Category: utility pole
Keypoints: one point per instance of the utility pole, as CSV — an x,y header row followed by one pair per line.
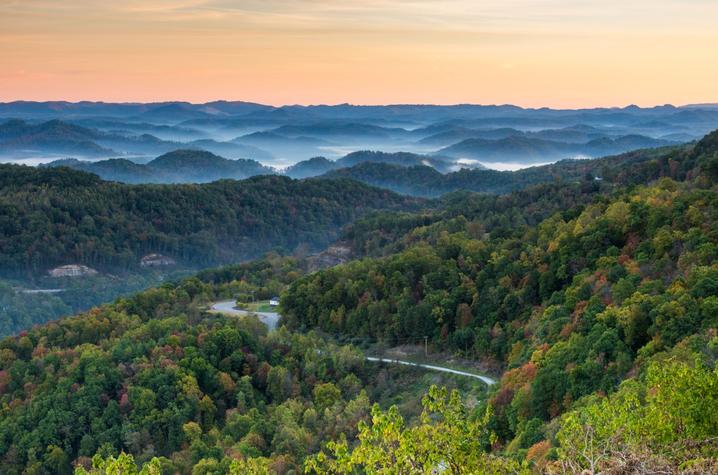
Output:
x,y
426,346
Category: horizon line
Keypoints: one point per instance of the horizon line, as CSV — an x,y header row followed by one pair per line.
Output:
x,y
352,104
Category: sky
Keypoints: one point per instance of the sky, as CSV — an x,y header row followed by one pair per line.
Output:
x,y
533,53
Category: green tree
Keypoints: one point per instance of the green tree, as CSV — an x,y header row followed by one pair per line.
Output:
x,y
325,395
668,418
124,464
447,439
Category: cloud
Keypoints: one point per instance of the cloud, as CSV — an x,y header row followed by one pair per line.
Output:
x,y
522,17
371,50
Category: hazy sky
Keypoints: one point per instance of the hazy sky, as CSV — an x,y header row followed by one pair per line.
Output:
x,y
564,53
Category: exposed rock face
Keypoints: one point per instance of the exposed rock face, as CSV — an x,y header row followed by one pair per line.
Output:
x,y
72,270
331,256
156,260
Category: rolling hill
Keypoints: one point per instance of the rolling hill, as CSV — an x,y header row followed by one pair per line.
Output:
x,y
18,138
597,306
78,218
523,149
179,166
602,316
421,180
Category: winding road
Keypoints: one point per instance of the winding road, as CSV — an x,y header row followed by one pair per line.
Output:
x,y
228,307
441,369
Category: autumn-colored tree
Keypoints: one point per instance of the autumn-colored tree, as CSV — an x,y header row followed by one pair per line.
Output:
x,y
447,439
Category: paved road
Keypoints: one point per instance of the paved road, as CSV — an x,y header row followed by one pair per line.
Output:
x,y
39,291
228,307
271,319
442,369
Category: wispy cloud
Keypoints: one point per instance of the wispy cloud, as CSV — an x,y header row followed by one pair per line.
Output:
x,y
463,50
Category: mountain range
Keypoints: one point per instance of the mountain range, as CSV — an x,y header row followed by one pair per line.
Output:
x,y
591,304
179,166
401,172
526,149
20,139
499,137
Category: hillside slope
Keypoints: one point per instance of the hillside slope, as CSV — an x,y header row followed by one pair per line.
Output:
x,y
417,179
568,308
155,375
598,304
57,216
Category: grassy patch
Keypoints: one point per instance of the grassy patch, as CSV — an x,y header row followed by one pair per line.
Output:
x,y
261,306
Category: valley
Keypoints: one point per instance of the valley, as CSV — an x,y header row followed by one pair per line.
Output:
x,y
549,303
461,136
342,237
271,319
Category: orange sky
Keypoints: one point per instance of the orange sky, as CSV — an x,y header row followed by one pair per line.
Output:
x,y
529,52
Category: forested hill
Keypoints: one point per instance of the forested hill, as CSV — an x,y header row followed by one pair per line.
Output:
x,y
56,216
421,180
154,375
602,318
568,307
178,166
512,214
600,311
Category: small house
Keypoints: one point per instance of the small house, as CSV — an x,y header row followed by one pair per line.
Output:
x,y
274,301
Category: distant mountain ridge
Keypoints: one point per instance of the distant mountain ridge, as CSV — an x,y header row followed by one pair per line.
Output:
x,y
447,138
401,172
626,168
19,138
536,150
197,166
494,115
204,224
179,166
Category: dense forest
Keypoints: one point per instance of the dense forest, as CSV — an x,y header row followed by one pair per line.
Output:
x,y
426,181
157,377
21,308
541,192
178,166
596,301
51,217
570,307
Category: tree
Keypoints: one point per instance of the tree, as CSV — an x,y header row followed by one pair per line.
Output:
x,y
124,464
667,419
56,460
447,439
251,466
325,395
279,383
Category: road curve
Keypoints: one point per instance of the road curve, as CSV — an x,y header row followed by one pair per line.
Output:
x,y
228,307
442,369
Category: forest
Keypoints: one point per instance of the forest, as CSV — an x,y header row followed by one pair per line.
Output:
x,y
567,308
51,217
427,181
157,377
594,303
345,237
